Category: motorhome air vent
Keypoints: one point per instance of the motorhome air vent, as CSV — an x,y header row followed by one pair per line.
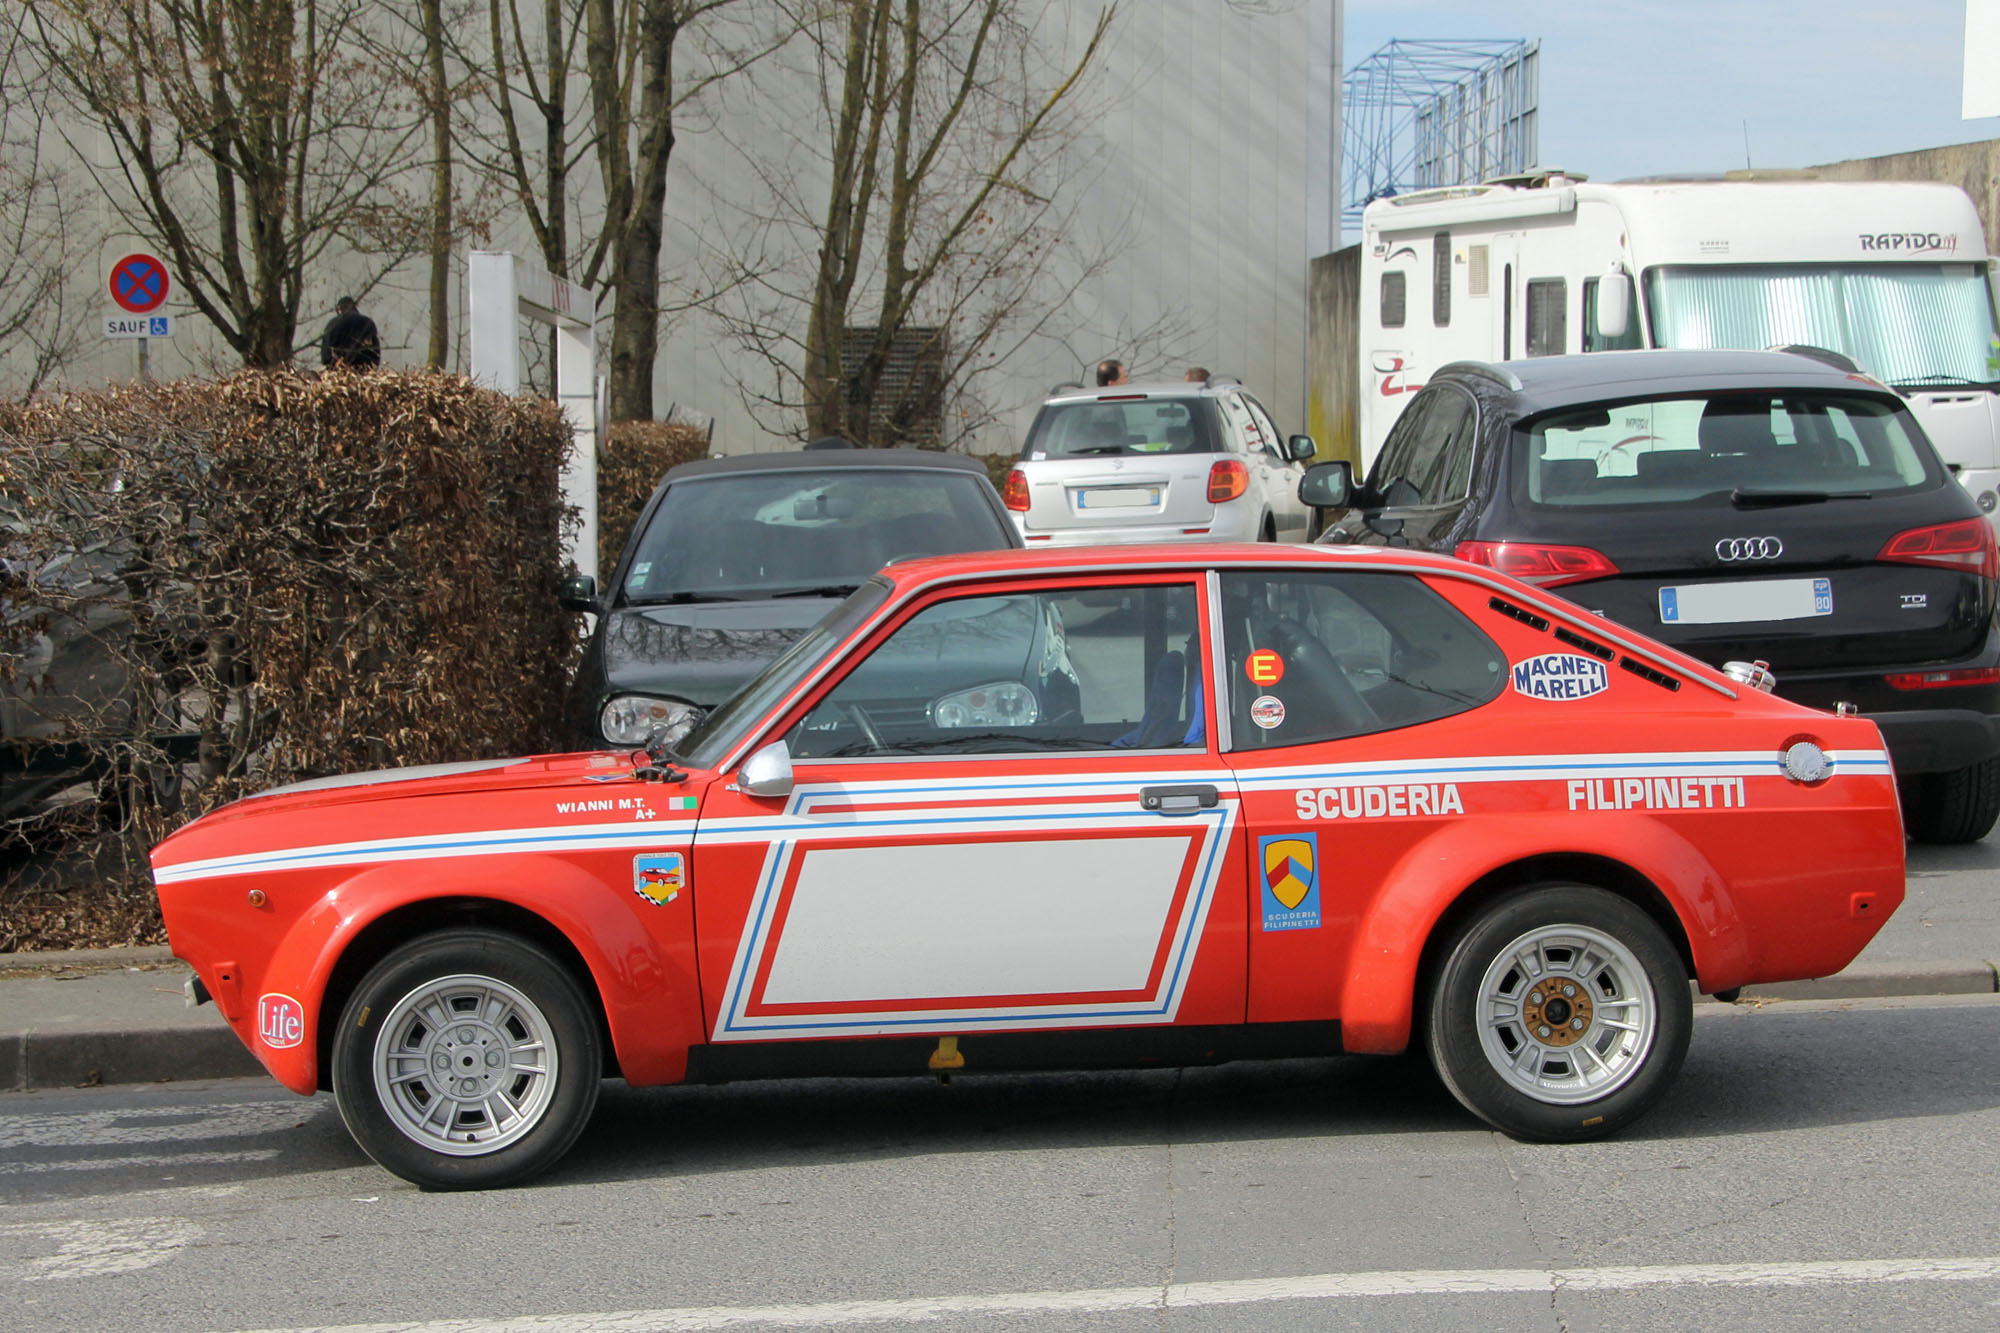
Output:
x,y
1477,275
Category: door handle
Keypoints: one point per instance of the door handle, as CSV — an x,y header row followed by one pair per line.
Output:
x,y
1179,800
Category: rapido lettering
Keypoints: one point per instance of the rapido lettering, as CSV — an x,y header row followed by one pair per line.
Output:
x,y
1390,802
1561,676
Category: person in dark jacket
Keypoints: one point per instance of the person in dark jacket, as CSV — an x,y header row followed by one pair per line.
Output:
x,y
350,338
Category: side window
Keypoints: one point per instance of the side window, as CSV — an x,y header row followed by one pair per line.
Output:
x,y
1593,341
1267,427
1441,279
1410,455
1395,292
1070,669
1356,653
1250,422
1451,421
1547,315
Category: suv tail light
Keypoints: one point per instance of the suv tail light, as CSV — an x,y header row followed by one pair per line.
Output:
x,y
1549,566
1228,479
1943,680
1015,493
1966,545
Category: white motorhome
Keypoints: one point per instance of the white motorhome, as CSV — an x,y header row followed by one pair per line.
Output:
x,y
1890,274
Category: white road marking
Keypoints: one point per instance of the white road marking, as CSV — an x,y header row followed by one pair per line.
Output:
x,y
1192,1295
150,1125
139,1159
99,1249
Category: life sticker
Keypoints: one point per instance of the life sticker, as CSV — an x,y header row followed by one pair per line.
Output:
x,y
1290,865
1561,677
1264,667
1267,711
281,1021
659,877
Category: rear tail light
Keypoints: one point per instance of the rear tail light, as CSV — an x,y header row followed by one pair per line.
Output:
x,y
1549,566
1966,545
1228,479
1015,493
1944,680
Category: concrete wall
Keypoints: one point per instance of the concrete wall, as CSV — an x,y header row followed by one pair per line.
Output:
x,y
1974,167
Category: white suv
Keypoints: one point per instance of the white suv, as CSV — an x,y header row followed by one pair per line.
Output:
x,y
1176,462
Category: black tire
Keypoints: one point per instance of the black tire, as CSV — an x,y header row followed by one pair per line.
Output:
x,y
1269,532
547,1010
1633,1069
1954,807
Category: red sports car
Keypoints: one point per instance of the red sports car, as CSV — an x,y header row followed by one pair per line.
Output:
x,y
1065,809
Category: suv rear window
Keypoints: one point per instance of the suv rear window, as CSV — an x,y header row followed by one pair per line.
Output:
x,y
1672,450
1129,426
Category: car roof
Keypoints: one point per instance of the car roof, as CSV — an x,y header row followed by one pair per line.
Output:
x,y
1148,558
825,460
1560,381
1149,389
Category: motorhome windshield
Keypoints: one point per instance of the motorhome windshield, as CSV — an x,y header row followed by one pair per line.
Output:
x,y
1908,324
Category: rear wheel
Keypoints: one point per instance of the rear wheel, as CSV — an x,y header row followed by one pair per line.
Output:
x,y
467,1059
1560,1013
1270,530
1957,806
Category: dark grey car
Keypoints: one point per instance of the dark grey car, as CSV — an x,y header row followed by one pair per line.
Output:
x,y
733,559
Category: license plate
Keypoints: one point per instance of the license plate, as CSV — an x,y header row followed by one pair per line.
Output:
x,y
1727,603
1118,497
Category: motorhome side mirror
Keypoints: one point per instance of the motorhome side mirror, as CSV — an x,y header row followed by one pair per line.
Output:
x,y
768,772
1328,485
1300,448
1614,305
578,592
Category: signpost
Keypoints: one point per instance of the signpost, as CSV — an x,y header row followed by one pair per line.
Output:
x,y
139,286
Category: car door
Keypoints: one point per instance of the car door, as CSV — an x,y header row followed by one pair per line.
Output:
x,y
1008,814
1353,699
1278,475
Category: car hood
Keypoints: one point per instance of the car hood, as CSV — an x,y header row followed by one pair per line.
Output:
x,y
703,652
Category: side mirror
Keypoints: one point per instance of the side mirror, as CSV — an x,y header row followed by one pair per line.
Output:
x,y
768,772
578,592
1301,449
1328,485
1614,304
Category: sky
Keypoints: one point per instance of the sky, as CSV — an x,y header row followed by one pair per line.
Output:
x,y
1641,87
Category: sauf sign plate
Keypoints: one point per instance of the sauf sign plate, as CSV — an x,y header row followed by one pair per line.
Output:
x,y
1561,676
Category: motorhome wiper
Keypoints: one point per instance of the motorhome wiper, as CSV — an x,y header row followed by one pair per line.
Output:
x,y
1748,498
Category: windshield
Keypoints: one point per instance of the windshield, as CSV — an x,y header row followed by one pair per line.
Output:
x,y
722,730
1092,427
1908,324
764,534
1746,449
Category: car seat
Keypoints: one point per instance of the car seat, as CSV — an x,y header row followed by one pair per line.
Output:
x,y
1320,700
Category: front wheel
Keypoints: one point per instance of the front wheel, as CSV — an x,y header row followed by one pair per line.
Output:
x,y
1560,1013
467,1059
1954,807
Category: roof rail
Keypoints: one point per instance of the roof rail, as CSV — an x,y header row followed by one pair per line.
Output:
x,y
1066,386
1220,379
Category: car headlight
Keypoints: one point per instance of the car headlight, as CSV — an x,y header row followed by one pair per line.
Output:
x,y
628,719
1005,703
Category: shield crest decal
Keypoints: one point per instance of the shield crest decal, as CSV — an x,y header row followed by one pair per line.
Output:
x,y
659,877
1290,868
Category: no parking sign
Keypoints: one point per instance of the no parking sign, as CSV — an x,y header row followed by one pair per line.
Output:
x,y
139,283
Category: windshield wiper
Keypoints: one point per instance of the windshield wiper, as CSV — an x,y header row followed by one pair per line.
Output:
x,y
1100,449
1744,498
1959,380
681,599
823,590
996,742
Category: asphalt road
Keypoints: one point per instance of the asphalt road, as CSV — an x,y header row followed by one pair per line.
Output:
x,y
1818,1163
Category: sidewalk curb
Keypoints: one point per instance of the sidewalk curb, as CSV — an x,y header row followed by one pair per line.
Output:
x,y
79,1056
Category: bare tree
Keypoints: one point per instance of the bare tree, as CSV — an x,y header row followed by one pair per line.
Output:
x,y
252,141
40,323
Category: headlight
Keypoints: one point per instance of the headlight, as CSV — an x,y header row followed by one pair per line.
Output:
x,y
1005,703
628,719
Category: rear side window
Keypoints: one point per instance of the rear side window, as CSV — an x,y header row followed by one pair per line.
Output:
x,y
1677,450
1428,457
1395,290
1547,311
1096,427
1356,653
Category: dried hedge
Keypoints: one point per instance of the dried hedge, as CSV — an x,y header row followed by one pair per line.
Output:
x,y
314,574
630,462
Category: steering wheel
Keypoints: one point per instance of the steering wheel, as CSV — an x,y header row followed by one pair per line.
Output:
x,y
865,724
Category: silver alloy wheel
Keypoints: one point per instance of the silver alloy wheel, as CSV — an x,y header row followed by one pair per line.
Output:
x,y
464,1065
1566,1014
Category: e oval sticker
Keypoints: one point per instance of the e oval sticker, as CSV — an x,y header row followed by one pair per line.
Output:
x,y
1561,676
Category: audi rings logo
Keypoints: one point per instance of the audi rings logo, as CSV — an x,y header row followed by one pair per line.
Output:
x,y
1749,548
